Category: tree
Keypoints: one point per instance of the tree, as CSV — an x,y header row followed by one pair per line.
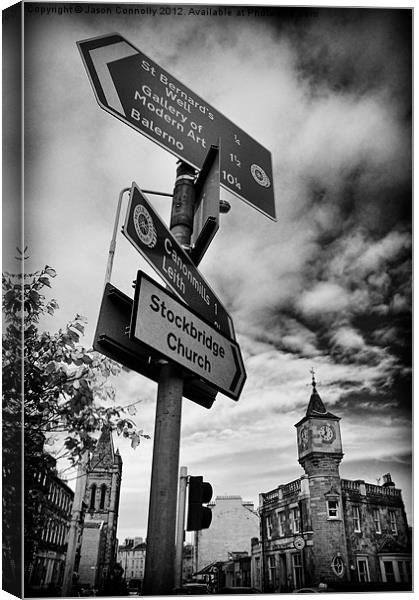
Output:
x,y
52,386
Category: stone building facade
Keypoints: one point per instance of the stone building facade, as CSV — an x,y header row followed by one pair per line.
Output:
x,y
99,543
131,557
47,568
234,523
323,530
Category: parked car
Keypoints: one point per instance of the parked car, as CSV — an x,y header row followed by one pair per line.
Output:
x,y
314,590
192,589
239,590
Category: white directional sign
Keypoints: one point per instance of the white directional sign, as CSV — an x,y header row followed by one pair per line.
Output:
x,y
169,327
136,90
150,236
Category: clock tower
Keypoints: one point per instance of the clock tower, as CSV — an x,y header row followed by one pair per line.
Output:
x,y
318,436
320,453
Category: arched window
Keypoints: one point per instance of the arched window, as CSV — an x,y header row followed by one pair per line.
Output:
x,y
102,495
92,496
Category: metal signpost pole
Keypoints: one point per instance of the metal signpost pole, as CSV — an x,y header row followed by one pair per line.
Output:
x,y
161,531
112,245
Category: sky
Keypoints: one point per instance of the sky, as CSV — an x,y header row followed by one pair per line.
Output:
x,y
327,286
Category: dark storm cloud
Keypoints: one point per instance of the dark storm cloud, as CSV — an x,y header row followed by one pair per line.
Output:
x,y
336,282
358,52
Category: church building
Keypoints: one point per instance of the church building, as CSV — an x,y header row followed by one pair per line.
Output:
x,y
322,530
99,542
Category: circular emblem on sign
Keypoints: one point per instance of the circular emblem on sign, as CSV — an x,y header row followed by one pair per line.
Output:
x,y
299,542
260,176
144,226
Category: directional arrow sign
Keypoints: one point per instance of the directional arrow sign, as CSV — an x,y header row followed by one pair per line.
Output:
x,y
169,327
150,236
112,340
136,90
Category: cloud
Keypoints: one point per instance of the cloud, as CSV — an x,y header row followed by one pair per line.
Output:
x,y
346,337
325,297
326,286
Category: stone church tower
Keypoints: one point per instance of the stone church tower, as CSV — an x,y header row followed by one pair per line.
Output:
x,y
320,453
101,499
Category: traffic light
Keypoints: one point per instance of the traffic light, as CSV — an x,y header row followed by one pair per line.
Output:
x,y
200,492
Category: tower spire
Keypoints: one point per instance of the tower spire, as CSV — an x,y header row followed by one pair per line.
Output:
x,y
313,381
103,454
315,406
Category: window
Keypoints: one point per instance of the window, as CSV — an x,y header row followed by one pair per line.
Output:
x,y
257,572
377,521
363,570
296,520
355,518
92,496
281,523
393,522
408,565
297,569
401,566
396,569
389,571
269,525
338,565
102,496
333,509
271,569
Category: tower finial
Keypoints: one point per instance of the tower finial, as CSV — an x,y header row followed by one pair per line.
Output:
x,y
313,381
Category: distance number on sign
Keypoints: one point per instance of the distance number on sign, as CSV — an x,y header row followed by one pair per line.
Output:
x,y
231,179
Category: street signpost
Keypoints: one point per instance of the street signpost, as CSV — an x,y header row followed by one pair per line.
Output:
x,y
207,205
136,90
112,339
187,345
170,327
150,236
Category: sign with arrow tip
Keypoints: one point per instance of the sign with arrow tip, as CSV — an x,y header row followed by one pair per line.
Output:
x,y
149,235
136,90
168,326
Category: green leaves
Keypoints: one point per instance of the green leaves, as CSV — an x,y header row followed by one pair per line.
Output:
x,y
49,271
66,386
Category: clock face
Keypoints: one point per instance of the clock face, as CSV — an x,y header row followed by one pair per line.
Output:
x,y
327,433
304,436
299,542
